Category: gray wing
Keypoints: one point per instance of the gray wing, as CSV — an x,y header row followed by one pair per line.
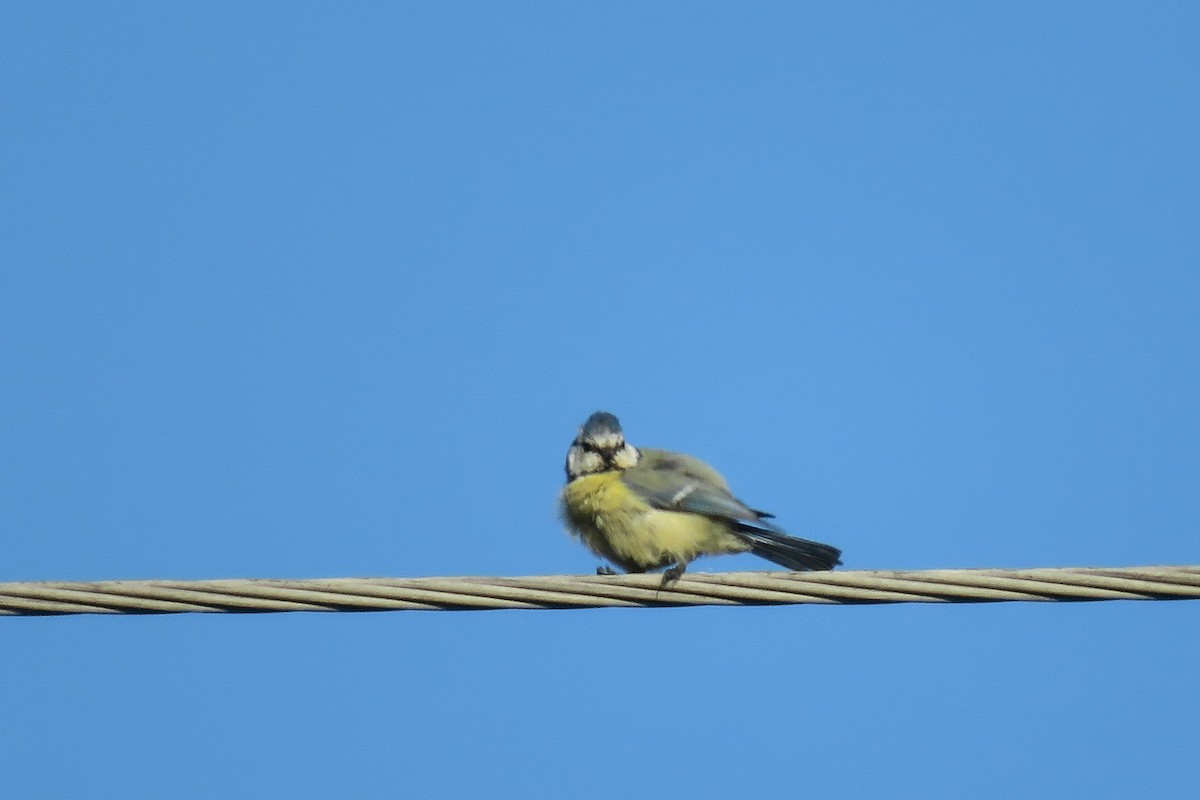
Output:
x,y
675,482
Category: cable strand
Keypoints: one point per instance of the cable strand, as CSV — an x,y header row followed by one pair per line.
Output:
x,y
1064,584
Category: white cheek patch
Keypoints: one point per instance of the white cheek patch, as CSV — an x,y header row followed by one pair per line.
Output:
x,y
626,458
583,462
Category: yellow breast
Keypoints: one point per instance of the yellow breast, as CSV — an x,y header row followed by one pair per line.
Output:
x,y
618,525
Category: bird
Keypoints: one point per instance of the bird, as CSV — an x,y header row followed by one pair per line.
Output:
x,y
643,509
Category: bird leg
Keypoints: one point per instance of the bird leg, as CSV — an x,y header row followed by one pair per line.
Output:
x,y
673,574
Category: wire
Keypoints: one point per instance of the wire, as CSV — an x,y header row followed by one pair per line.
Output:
x,y
596,591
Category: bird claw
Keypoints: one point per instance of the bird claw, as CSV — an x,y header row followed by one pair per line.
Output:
x,y
605,570
673,574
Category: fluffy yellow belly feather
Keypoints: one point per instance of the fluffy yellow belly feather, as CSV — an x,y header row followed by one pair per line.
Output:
x,y
617,525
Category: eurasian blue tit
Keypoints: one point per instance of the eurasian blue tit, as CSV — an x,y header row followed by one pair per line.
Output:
x,y
644,509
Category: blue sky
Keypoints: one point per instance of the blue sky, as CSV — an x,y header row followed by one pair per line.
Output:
x,y
305,290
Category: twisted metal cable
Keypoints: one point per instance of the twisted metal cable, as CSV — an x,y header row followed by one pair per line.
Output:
x,y
596,591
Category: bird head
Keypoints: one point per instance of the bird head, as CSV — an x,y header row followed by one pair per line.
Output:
x,y
600,447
